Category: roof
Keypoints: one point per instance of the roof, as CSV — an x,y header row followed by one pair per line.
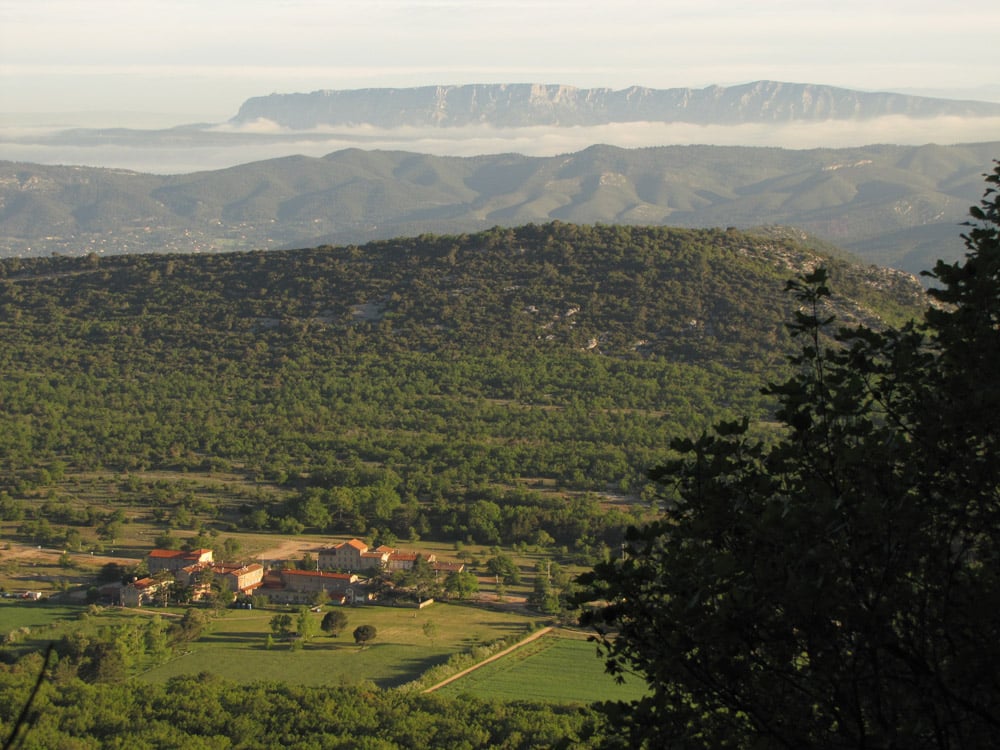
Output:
x,y
240,570
404,556
356,543
319,573
166,554
179,554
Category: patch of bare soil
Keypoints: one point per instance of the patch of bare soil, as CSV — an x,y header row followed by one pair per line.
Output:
x,y
292,549
49,556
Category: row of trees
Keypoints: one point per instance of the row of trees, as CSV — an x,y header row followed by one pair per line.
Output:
x,y
304,625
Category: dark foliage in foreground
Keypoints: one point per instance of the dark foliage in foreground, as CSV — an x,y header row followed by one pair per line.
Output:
x,y
202,712
837,589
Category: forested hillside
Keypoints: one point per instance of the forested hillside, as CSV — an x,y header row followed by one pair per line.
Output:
x,y
895,206
434,385
505,388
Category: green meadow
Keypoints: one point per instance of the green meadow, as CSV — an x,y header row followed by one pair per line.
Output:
x,y
553,669
235,646
36,616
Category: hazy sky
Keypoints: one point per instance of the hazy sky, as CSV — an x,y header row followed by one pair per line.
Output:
x,y
198,60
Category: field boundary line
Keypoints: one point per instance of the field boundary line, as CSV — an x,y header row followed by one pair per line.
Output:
x,y
533,637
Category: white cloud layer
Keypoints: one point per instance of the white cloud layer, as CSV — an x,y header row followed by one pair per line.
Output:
x,y
272,141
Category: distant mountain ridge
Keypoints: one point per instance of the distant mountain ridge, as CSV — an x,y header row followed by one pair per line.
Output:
x,y
898,206
526,105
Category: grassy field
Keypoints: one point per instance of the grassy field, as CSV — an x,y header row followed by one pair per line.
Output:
x,y
18,613
234,647
553,669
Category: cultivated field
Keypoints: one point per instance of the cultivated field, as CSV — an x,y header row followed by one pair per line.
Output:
x,y
555,669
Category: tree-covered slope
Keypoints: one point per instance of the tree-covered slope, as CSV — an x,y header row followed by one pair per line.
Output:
x,y
893,205
422,374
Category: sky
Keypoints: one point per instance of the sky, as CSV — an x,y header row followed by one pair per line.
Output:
x,y
167,62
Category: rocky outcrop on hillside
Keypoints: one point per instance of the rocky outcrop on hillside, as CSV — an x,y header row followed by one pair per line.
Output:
x,y
524,105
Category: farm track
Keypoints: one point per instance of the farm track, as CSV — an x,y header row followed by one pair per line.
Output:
x,y
533,637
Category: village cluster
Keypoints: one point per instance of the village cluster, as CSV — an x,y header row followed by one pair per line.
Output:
x,y
343,573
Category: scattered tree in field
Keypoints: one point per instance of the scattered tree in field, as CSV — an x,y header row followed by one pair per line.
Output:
x,y
111,572
430,629
306,624
110,530
166,540
836,587
423,580
281,625
503,565
231,548
461,584
189,627
221,595
545,597
364,633
334,622
156,642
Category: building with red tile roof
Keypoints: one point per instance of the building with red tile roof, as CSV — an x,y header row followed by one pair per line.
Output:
x,y
352,555
290,586
173,560
356,555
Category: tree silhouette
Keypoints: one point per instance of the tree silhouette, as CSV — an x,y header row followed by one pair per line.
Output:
x,y
835,587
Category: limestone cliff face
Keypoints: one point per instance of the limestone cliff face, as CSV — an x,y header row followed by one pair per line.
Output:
x,y
523,105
